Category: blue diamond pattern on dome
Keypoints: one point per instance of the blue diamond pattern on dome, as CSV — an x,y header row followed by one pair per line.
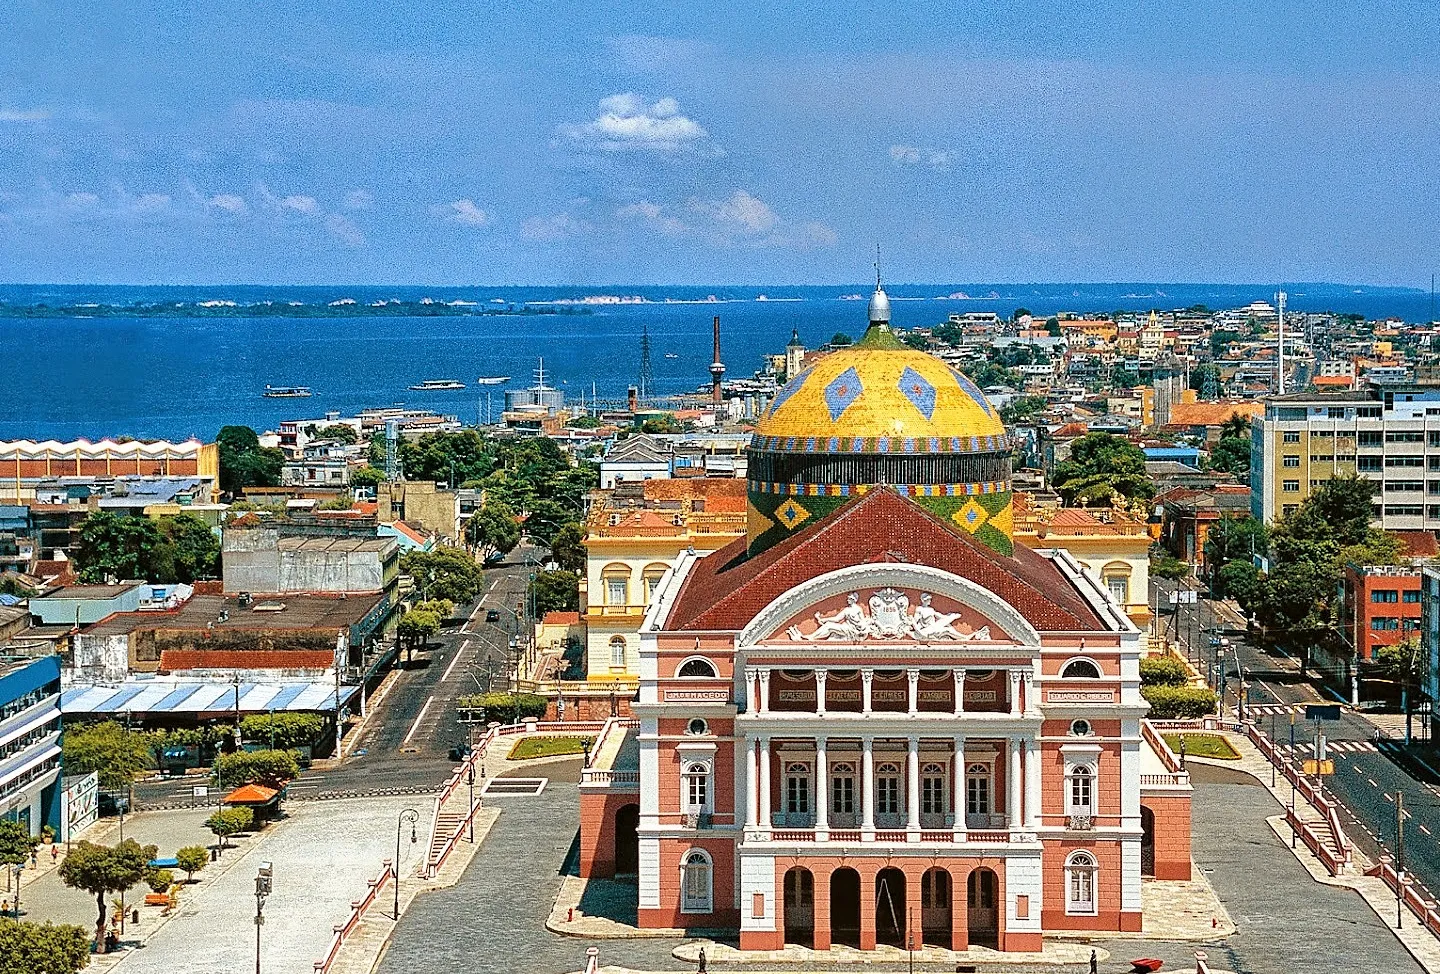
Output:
x,y
918,390
973,391
791,387
843,390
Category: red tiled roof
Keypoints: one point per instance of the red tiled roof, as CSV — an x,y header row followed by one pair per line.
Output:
x,y
1417,544
251,795
725,590
560,619
175,660
1073,517
1072,429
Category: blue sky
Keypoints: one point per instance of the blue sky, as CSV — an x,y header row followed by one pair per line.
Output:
x,y
595,143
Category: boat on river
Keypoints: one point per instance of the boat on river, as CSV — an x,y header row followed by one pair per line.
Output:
x,y
287,392
437,385
492,380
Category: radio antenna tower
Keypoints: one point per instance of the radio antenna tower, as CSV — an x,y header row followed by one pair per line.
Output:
x,y
647,377
1280,350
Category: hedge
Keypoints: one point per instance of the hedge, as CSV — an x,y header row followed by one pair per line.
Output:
x,y
1179,703
1163,671
507,708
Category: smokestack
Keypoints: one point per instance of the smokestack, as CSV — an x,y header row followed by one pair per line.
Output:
x,y
632,399
717,370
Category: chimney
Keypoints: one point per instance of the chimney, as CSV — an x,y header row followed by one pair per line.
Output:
x,y
717,370
632,399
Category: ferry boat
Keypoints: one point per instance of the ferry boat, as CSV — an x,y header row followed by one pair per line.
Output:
x,y
492,380
287,392
437,385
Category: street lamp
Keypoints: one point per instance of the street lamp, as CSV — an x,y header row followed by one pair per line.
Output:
x,y
470,780
411,816
263,884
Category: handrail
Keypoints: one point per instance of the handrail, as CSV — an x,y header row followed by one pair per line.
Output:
x,y
1342,854
1426,911
357,911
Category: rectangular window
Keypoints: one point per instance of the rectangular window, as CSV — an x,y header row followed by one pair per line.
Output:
x,y
1434,439
1385,595
1410,625
1404,436
695,792
1367,464
1082,792
1289,508
1370,438
842,795
1119,587
977,793
1291,460
797,794
615,591
1404,461
1290,486
1322,458
1411,597
1292,436
1081,891
1291,413
932,795
887,795
1404,486
1404,510
1384,623
1335,412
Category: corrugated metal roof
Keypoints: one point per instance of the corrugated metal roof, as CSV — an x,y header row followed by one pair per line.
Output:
x,y
156,696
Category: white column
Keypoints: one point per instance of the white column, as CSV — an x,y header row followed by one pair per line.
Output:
x,y
867,683
912,786
752,776
1012,782
764,690
1014,693
764,817
867,788
752,696
912,679
1027,680
1032,784
957,789
820,676
822,791
959,692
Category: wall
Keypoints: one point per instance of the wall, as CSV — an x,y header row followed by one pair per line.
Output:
x,y
251,559
1172,835
62,611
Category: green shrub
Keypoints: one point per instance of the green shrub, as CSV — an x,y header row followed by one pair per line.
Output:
x,y
1179,703
159,880
192,859
507,708
229,821
1166,671
282,730
272,768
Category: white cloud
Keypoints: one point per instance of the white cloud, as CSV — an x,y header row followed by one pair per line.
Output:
x,y
909,155
343,230
740,219
654,216
745,212
461,211
149,203
358,199
300,204
229,203
626,122
647,54
17,115
550,229
82,201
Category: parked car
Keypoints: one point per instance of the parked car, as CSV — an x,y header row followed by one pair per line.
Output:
x,y
492,615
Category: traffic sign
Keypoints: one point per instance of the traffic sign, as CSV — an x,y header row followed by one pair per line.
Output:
x,y
1326,766
1322,711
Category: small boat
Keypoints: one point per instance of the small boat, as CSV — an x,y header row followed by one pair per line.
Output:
x,y
492,380
287,392
437,385
671,355
1146,965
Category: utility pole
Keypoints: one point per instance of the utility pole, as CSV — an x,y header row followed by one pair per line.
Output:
x,y
1399,858
1280,357
1294,830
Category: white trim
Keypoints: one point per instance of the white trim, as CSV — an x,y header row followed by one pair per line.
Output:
x,y
714,670
1074,907
1099,670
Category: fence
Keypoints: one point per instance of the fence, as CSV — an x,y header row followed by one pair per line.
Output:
x,y
357,911
1425,910
1337,855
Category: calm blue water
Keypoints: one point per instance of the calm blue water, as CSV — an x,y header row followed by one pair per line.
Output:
x,y
176,377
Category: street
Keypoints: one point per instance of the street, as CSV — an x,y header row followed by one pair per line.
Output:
x,y
404,745
1370,767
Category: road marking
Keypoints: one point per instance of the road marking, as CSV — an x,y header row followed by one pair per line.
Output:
x,y
1372,783
458,653
421,716
1425,830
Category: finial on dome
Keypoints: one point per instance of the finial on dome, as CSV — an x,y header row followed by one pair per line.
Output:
x,y
879,301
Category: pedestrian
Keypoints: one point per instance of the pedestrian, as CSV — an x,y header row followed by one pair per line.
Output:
x,y
54,852
702,961
1094,963
4,906
34,858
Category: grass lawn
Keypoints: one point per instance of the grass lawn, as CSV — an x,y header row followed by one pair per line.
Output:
x,y
544,747
1203,746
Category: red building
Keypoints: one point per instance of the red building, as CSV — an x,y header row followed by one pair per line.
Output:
x,y
1381,606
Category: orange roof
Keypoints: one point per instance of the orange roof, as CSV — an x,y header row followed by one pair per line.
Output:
x,y
1072,429
174,660
1073,517
1211,413
719,493
1333,381
560,619
251,795
1417,544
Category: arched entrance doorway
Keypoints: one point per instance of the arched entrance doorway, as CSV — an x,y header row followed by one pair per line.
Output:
x,y
890,907
981,914
935,906
1147,842
845,907
800,907
627,840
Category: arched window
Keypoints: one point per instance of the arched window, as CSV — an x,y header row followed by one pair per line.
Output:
x,y
977,789
887,789
932,789
697,667
697,788
1082,790
1080,869
617,651
1117,582
1080,669
842,788
651,579
617,583
695,883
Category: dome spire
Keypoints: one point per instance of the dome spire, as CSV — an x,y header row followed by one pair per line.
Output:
x,y
879,301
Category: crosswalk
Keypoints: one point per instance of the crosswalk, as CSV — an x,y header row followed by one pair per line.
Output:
x,y
1272,709
1306,748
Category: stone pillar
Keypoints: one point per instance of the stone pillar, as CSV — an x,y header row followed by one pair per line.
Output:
x,y
820,676
764,817
957,790
752,783
912,788
764,690
821,913
912,922
867,789
1032,784
867,684
1014,692
867,906
912,696
822,792
1012,782
752,696
959,692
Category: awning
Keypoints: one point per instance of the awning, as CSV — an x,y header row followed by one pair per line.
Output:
x,y
199,699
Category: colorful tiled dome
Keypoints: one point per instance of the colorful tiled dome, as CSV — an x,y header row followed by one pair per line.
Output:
x,y
879,412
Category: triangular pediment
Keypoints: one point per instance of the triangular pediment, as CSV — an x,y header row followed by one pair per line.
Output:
x,y
890,614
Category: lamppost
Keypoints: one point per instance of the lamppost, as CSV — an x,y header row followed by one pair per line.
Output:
x,y
263,884
411,816
470,780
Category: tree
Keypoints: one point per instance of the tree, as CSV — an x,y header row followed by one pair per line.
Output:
x,y
1168,567
269,768
507,708
188,550
1234,537
115,544
417,626
1236,427
16,845
1020,409
1101,468
339,432
447,457
1241,581
1178,702
568,547
493,530
446,573
244,462
662,424
192,859
557,591
229,821
840,340
284,730
1339,510
42,948
159,880
1403,662
117,755
1163,671
367,476
1231,455
99,870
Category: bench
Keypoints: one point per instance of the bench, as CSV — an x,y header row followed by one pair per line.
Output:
x,y
157,899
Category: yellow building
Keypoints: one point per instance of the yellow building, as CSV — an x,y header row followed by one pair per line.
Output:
x,y
633,536
1112,544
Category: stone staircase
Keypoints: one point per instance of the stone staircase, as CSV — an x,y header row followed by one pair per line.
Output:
x,y
452,813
